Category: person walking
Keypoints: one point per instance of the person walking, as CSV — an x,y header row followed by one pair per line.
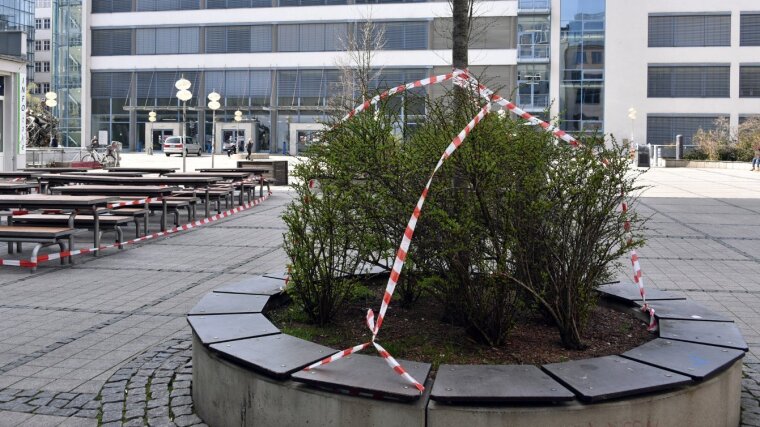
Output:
x,y
249,148
756,159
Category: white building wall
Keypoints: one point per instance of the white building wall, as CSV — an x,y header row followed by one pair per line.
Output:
x,y
627,58
43,55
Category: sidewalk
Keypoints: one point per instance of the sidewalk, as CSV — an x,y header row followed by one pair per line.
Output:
x,y
118,320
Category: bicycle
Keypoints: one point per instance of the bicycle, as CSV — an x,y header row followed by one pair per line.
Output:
x,y
107,159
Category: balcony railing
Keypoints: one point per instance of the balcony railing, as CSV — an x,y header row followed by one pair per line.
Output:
x,y
533,5
533,102
532,51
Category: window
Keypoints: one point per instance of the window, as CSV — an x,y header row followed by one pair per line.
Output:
x,y
749,81
111,42
690,81
689,30
662,129
42,45
239,39
108,6
750,29
46,24
43,3
42,66
38,24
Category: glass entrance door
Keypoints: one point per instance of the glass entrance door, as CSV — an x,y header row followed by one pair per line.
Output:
x,y
236,135
159,135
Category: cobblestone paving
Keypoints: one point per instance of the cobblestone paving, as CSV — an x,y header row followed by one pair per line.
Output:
x,y
106,341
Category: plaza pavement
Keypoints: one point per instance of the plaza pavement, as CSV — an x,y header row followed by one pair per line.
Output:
x,y
116,322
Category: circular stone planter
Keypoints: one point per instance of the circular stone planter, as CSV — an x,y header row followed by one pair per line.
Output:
x,y
247,373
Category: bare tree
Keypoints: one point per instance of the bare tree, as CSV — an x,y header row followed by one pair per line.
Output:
x,y
357,68
462,14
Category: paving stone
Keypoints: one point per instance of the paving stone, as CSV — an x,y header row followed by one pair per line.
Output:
x,y
181,384
113,397
160,422
182,400
60,412
187,420
182,410
137,422
87,413
134,413
180,392
66,396
109,416
155,403
91,405
161,411
58,403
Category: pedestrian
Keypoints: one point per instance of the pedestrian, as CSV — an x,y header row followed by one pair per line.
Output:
x,y
94,142
54,142
249,148
230,147
756,159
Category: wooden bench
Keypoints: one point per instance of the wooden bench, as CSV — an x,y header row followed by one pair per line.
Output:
x,y
137,214
172,207
215,195
42,236
107,222
193,201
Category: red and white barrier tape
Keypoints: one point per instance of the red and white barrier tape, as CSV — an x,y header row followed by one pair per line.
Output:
x,y
34,262
463,79
133,202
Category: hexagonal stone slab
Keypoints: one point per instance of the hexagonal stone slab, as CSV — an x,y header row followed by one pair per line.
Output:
x,y
629,292
219,303
496,384
275,355
722,334
684,310
226,327
369,376
259,285
609,377
695,360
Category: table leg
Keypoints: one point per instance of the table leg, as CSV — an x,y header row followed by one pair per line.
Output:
x,y
96,220
242,191
261,188
164,214
207,203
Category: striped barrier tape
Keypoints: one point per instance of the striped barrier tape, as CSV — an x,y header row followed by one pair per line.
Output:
x,y
462,79
34,262
133,202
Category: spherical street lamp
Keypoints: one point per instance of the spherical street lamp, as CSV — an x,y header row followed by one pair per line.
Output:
x,y
183,95
214,105
149,144
50,99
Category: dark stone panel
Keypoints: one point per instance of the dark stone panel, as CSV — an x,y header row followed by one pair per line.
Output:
x,y
366,375
695,360
259,285
496,384
226,327
629,291
684,310
219,303
610,377
722,334
274,355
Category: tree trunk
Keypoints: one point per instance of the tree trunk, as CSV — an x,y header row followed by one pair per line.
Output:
x,y
460,32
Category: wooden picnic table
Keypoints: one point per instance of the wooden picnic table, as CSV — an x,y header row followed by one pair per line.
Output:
x,y
194,182
18,187
252,171
122,190
20,174
237,177
74,203
160,171
55,170
101,173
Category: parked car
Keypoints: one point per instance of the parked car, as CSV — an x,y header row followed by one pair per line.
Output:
x,y
174,145
229,147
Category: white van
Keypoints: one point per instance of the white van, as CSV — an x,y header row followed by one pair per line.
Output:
x,y
174,145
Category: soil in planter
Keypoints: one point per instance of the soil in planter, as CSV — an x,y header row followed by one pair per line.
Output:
x,y
417,333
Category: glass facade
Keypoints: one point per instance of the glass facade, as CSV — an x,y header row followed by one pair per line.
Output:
x,y
582,24
271,100
18,15
533,55
67,69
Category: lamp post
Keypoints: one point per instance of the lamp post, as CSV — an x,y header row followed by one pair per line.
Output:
x,y
149,144
214,105
238,118
183,95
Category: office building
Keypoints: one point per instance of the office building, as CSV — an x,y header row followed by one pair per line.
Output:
x,y
43,51
276,61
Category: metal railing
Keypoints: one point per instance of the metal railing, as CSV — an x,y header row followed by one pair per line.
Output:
x,y
48,156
